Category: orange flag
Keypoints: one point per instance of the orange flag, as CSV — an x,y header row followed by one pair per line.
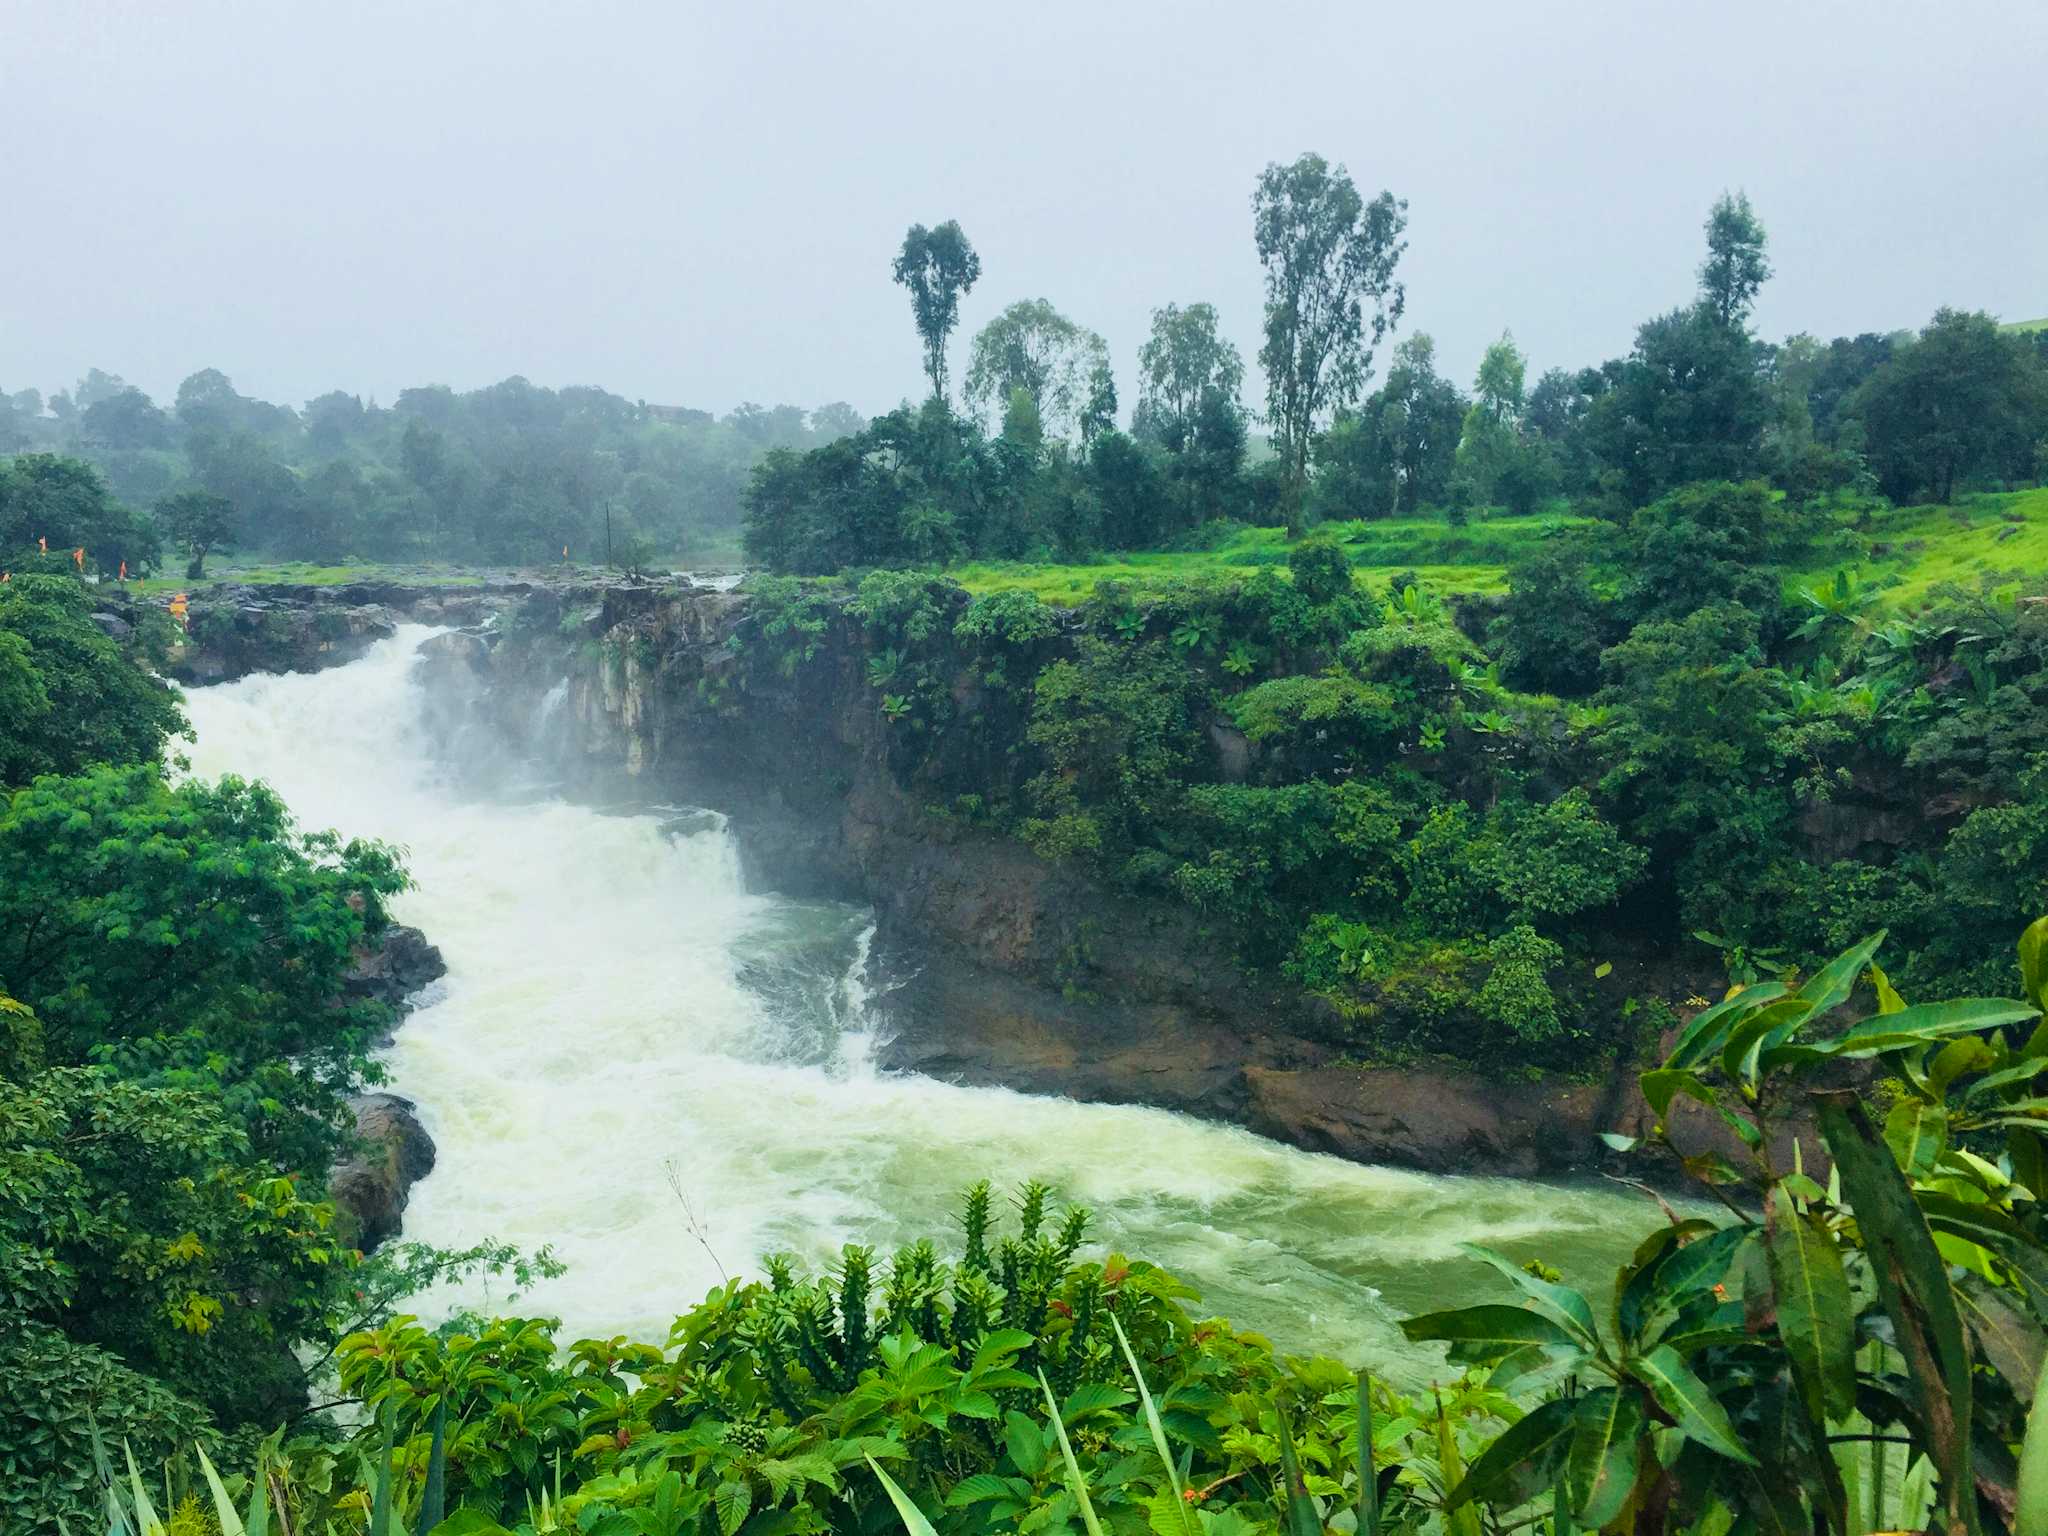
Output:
x,y
124,570
42,546
78,558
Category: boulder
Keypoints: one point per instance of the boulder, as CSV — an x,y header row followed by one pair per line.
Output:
x,y
371,1188
393,969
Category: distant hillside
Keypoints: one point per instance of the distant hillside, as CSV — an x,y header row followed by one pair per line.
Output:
x,y
2026,325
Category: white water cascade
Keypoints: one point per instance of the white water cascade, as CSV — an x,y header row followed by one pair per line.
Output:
x,y
617,1004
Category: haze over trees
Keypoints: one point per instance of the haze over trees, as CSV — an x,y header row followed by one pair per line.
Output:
x,y
1045,462
507,474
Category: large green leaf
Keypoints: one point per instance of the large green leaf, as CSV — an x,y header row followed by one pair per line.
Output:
x,y
1526,1457
1459,1519
1600,1467
912,1518
1675,1270
1491,1323
1924,1023
1303,1519
2007,1334
1685,1397
1831,985
1994,1230
1155,1428
1077,1481
1560,1303
380,1499
434,1496
1991,1084
1025,1442
1702,1036
1664,1084
1746,1040
1368,1476
1816,1320
2030,1518
1912,1282
224,1514
2034,962
1917,1132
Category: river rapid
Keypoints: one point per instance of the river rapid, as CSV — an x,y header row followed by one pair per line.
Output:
x,y
631,1052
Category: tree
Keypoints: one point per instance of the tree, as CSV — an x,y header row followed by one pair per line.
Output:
x,y
1553,625
1962,401
1328,255
334,420
47,496
1702,544
193,936
1491,437
138,1220
126,421
1735,266
199,523
836,419
264,491
1182,364
1395,454
1098,414
937,266
1033,347
1689,403
95,387
72,696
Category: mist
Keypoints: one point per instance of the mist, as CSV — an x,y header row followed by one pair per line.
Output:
x,y
697,205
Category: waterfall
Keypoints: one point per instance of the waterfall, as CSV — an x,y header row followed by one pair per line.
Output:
x,y
617,1001
544,717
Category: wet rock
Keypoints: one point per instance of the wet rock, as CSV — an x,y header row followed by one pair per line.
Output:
x,y
1443,1122
689,823
393,969
370,1189
456,649
113,626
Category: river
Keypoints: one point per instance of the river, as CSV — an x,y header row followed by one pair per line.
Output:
x,y
624,1028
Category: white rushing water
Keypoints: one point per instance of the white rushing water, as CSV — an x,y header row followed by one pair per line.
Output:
x,y
617,1006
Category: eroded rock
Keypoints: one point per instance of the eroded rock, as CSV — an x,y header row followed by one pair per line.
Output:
x,y
397,966
370,1189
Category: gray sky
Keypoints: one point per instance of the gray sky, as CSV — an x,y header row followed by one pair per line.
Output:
x,y
698,204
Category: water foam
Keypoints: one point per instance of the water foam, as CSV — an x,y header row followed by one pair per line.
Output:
x,y
617,1003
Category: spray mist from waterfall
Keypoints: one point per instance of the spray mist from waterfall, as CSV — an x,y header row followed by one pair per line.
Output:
x,y
618,1004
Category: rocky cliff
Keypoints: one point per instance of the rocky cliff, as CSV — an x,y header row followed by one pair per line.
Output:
x,y
1006,969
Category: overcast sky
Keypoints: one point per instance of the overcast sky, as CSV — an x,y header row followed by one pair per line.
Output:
x,y
697,204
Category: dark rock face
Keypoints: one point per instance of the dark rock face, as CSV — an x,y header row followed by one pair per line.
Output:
x,y
233,631
371,1189
1004,969
400,963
